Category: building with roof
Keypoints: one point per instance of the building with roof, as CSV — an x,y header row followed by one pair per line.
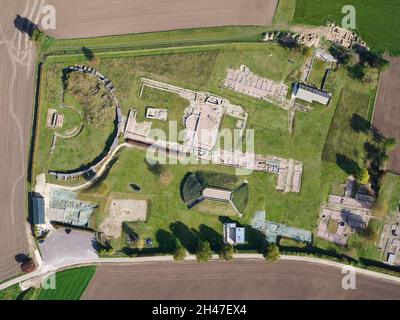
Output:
x,y
273,230
38,212
233,234
310,94
66,208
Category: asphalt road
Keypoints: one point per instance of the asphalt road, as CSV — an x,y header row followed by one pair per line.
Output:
x,y
240,279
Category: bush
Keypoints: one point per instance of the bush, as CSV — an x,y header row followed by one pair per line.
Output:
x,y
38,36
271,252
363,176
28,266
227,252
203,252
179,253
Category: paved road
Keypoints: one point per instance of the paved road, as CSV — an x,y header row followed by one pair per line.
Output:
x,y
16,101
239,279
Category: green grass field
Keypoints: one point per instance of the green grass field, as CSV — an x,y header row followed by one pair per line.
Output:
x,y
187,37
70,284
376,21
11,293
317,73
343,140
284,12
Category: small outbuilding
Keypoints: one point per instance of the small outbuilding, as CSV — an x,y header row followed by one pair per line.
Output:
x,y
233,234
311,94
38,210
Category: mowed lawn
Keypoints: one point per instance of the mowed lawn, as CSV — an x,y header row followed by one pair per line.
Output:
x,y
205,70
376,21
70,284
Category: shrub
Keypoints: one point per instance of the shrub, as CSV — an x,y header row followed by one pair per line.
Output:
x,y
203,252
227,252
179,253
271,252
363,176
38,36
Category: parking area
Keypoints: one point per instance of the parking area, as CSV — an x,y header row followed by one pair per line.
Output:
x,y
68,246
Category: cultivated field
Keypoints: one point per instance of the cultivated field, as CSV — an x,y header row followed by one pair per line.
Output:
x,y
379,33
88,18
16,100
232,280
386,116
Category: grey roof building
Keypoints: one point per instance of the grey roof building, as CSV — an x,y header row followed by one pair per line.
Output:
x,y
233,234
38,210
311,94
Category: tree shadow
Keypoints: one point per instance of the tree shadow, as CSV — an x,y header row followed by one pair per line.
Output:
x,y
166,241
370,58
356,71
89,55
339,53
347,165
24,25
156,168
22,258
288,42
189,238
214,238
359,124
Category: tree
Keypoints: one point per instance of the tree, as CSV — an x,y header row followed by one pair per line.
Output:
x,y
203,252
90,55
390,143
179,253
227,252
28,266
38,36
363,176
271,252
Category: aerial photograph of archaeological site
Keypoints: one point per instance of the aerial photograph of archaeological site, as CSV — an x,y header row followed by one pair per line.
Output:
x,y
234,149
